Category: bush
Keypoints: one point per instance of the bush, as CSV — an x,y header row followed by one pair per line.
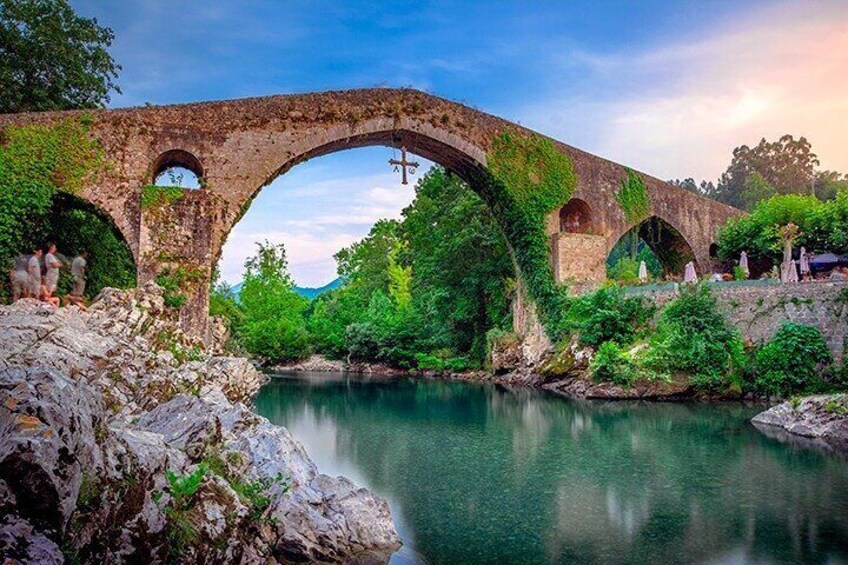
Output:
x,y
792,361
608,315
694,337
610,364
625,271
443,361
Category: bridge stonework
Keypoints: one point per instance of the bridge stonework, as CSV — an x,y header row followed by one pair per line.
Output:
x,y
239,146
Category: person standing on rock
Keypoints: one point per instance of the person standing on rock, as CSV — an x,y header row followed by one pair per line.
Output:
x,y
34,272
51,277
20,279
78,266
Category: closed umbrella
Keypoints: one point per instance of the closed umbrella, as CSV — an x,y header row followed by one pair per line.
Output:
x,y
689,275
788,272
743,262
643,272
804,261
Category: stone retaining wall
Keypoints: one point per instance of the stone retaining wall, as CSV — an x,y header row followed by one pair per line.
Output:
x,y
758,310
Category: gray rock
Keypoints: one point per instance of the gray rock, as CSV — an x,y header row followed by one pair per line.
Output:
x,y
21,543
100,414
47,440
822,419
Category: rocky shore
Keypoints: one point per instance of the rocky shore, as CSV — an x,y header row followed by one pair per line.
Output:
x,y
819,422
122,441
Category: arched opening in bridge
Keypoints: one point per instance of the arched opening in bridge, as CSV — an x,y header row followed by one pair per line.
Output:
x,y
655,241
77,226
576,217
177,167
411,274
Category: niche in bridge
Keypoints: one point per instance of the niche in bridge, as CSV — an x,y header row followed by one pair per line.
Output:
x,y
178,168
575,217
655,241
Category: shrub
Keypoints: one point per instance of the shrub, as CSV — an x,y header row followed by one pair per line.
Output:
x,y
792,361
625,270
694,337
610,364
608,315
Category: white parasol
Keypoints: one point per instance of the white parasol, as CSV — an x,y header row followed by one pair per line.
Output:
x,y
804,261
743,262
643,272
689,275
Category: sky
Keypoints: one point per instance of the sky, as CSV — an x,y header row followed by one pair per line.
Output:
x,y
669,88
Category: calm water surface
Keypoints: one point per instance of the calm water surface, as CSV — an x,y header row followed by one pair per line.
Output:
x,y
478,474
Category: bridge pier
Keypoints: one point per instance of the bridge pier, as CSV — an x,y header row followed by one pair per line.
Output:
x,y
176,251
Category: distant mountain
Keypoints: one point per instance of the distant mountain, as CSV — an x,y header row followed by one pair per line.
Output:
x,y
306,292
311,293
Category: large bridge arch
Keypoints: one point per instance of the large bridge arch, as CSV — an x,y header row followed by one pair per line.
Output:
x,y
241,145
420,138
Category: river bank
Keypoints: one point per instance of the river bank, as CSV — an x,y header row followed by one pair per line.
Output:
x,y
818,422
123,441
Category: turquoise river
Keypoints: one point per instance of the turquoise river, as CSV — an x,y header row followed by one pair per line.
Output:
x,y
481,474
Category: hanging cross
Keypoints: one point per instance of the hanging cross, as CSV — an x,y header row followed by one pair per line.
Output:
x,y
403,163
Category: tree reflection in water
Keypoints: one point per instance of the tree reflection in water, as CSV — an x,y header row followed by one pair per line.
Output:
x,y
482,474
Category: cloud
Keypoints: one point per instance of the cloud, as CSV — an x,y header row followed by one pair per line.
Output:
x,y
678,109
317,209
309,254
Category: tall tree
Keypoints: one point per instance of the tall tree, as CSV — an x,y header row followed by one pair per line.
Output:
x,y
788,165
274,325
53,59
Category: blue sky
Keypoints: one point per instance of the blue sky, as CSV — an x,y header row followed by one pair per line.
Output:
x,y
667,87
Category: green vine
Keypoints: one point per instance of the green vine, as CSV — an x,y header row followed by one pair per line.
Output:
x,y
633,198
60,155
527,178
153,195
175,282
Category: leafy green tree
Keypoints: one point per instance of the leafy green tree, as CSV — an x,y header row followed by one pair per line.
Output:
x,y
608,315
426,288
823,227
53,59
462,271
274,324
788,165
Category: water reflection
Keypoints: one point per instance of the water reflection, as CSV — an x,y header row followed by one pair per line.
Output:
x,y
481,474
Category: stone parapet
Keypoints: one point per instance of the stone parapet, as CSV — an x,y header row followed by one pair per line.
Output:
x,y
759,309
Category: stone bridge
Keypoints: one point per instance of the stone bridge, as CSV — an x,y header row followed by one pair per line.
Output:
x,y
237,147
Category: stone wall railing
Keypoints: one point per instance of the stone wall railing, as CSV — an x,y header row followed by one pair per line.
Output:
x,y
759,308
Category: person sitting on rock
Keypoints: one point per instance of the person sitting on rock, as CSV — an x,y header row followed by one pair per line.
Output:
x,y
52,263
46,296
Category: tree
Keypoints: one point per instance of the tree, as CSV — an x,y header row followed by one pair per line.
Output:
x,y
424,290
461,268
787,164
274,326
53,59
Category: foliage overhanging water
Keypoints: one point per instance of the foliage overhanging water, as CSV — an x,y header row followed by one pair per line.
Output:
x,y
479,474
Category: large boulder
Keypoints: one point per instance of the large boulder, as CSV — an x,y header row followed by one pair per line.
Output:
x,y
47,440
820,420
122,441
